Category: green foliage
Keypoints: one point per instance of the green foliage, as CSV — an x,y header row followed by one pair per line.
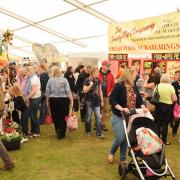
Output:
x,y
10,136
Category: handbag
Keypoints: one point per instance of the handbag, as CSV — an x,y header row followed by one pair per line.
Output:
x,y
48,119
176,112
71,120
155,97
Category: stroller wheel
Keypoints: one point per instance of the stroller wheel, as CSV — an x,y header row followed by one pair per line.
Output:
x,y
122,171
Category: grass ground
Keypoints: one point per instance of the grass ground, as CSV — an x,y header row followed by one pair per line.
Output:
x,y
76,157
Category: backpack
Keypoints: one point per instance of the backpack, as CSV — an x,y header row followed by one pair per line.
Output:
x,y
148,141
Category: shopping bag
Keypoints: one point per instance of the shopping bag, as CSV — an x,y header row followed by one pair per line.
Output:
x,y
72,121
176,112
48,119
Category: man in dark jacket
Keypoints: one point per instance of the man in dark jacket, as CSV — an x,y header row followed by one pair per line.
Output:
x,y
79,90
107,81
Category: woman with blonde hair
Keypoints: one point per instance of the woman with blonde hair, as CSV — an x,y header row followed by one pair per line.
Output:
x,y
163,112
33,98
21,79
20,105
124,96
59,97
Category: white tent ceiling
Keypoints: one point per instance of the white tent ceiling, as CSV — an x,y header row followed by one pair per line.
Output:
x,y
71,25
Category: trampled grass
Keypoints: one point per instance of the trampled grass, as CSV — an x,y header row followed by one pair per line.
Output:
x,y
77,157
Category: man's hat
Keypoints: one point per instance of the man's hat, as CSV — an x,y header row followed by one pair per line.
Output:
x,y
107,63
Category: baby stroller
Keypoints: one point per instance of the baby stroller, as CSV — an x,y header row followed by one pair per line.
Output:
x,y
145,167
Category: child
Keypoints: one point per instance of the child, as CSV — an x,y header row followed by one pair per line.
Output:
x,y
20,105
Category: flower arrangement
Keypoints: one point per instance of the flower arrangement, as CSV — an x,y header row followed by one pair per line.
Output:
x,y
8,137
11,137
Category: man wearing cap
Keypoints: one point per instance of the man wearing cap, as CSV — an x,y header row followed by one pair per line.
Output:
x,y
107,80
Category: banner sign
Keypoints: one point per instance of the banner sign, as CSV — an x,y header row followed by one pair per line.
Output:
x,y
160,34
118,56
172,67
166,56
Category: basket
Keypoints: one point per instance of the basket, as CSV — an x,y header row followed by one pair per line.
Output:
x,y
12,145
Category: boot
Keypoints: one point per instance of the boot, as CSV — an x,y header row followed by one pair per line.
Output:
x,y
123,169
8,163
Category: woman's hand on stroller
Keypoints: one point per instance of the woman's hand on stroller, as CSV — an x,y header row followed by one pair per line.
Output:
x,y
125,110
145,109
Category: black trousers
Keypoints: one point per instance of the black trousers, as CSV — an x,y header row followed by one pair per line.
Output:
x,y
163,115
59,108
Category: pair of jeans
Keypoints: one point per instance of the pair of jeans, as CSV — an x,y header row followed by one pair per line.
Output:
x,y
43,110
33,109
24,121
96,111
120,137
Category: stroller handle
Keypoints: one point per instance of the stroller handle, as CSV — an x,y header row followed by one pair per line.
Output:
x,y
131,112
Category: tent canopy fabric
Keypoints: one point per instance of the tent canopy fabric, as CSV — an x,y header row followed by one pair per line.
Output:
x,y
71,25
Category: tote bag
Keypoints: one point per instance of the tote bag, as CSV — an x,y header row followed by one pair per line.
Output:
x,y
176,112
71,120
155,97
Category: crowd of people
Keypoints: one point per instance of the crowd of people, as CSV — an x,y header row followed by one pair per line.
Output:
x,y
35,91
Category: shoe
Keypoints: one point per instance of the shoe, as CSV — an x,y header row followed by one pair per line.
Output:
x,y
167,143
110,158
88,134
36,135
24,139
30,134
101,136
60,136
9,166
